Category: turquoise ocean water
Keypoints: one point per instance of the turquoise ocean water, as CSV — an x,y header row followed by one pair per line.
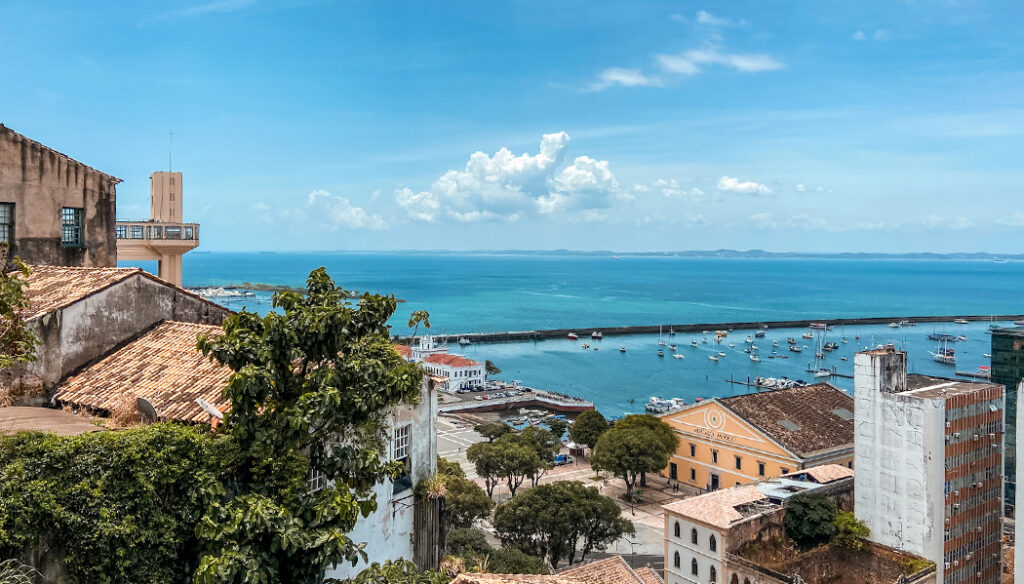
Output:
x,y
483,292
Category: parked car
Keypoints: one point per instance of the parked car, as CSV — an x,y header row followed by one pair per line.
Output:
x,y
562,459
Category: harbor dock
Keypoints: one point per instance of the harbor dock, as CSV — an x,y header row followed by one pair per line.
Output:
x,y
529,398
539,335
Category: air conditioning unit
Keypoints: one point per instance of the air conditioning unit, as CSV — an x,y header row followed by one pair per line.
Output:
x,y
991,435
947,565
976,437
956,434
956,505
949,424
956,493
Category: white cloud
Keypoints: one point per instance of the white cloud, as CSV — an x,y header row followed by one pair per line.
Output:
x,y
805,221
505,187
678,18
673,190
955,223
859,35
763,220
880,35
801,188
706,18
339,212
623,77
261,207
641,188
1016,220
734,185
691,62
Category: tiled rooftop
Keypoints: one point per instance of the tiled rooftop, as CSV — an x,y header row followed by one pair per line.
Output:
x,y
649,576
824,474
404,350
612,570
717,508
163,366
53,287
451,360
805,419
475,578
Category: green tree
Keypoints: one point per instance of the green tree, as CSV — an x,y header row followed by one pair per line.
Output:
x,y
666,435
466,541
540,441
417,317
558,428
587,428
810,519
448,468
850,531
627,452
560,519
514,561
318,370
17,341
465,502
488,463
492,430
491,368
393,572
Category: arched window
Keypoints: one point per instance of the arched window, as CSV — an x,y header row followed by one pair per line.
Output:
x,y
746,581
676,561
735,579
714,575
677,529
693,535
693,566
713,544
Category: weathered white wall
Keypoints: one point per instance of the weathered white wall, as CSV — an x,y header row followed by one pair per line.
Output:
x,y
899,455
688,551
388,532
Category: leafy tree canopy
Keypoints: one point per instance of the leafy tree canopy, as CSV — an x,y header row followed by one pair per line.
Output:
x,y
449,468
393,572
491,368
810,519
492,430
17,341
311,389
627,452
850,531
465,502
558,428
560,519
587,428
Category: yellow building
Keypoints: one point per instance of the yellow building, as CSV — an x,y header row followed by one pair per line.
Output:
x,y
737,440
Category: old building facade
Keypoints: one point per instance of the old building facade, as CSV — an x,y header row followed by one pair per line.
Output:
x,y
930,466
737,440
53,209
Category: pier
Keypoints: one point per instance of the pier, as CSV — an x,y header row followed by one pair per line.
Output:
x,y
584,332
531,398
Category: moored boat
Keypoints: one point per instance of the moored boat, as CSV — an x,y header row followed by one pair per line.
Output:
x,y
572,336
597,335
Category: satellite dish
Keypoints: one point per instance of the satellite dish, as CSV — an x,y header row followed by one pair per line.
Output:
x,y
147,409
209,409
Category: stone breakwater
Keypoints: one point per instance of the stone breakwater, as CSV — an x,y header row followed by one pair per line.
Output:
x,y
584,332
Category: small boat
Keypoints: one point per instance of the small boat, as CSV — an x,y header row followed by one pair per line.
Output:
x,y
987,355
894,325
845,359
678,356
759,334
843,340
820,373
962,337
830,346
586,346
755,358
945,356
961,321
732,345
693,343
795,348
748,340
596,335
704,341
791,341
661,353
622,349
662,343
721,354
818,325
808,335
721,333
464,341
671,332
713,357
754,347
672,347
596,348
572,336
775,344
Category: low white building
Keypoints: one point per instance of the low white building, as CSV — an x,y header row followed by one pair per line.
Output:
x,y
460,372
404,526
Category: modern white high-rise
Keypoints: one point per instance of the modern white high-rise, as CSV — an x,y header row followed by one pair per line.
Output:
x,y
929,460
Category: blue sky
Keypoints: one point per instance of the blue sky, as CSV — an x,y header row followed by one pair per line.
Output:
x,y
306,125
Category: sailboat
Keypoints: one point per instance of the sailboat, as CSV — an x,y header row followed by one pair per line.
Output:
x,y
944,355
819,371
660,342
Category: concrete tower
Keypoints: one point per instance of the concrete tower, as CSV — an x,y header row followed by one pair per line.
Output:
x,y
163,237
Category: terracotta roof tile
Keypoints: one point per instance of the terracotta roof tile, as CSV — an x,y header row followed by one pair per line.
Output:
x,y
163,366
451,360
404,350
717,508
649,576
824,474
803,419
474,578
611,570
53,287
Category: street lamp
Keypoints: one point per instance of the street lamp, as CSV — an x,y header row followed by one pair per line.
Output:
x,y
632,557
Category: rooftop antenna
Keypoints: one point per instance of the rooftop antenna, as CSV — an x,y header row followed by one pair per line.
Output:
x,y
170,147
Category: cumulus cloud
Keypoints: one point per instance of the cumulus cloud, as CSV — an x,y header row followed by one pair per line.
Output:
x,y
763,220
954,223
734,185
693,61
673,190
859,36
800,188
505,187
339,212
880,35
623,77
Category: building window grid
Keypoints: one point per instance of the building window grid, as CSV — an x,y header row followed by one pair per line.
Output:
x,y
7,223
71,227
316,481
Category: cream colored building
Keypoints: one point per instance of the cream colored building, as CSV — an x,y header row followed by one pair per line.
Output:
x,y
163,237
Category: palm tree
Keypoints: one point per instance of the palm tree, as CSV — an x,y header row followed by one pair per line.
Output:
x,y
416,318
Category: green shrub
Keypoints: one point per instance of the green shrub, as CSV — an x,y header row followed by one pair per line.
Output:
x,y
850,532
122,506
810,519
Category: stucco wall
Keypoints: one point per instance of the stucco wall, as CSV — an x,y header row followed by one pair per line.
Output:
x,y
388,532
40,181
95,325
688,551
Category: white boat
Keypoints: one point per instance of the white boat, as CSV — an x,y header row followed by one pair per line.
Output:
x,y
821,373
661,353
961,321
622,349
808,335
464,341
572,336
678,356
944,355
660,342
748,340
713,357
755,358
672,348
597,335
754,347
775,344
693,343
721,354
732,345
894,325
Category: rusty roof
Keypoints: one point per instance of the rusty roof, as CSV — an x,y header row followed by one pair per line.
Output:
x,y
404,350
649,576
21,418
824,474
612,570
477,578
161,365
51,288
804,420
